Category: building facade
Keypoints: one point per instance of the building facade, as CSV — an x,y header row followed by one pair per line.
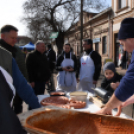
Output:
x,y
97,27
122,9
103,29
23,40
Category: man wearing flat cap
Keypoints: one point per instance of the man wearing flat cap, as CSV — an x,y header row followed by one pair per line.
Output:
x,y
126,87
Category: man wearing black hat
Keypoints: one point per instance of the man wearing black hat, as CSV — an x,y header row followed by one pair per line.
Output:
x,y
89,67
126,87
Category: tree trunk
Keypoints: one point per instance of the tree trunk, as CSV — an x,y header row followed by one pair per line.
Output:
x,y
60,42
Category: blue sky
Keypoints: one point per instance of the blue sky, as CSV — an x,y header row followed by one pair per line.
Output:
x,y
109,2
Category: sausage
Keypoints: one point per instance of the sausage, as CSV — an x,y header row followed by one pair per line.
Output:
x,y
57,93
77,104
55,99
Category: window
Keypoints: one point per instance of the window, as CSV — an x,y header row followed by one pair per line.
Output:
x,y
97,47
104,44
121,4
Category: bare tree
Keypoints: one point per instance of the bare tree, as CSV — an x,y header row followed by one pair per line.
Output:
x,y
45,16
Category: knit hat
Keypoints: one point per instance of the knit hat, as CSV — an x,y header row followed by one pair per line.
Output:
x,y
126,29
109,66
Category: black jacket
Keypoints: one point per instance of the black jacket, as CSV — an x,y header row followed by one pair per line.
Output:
x,y
61,58
17,55
37,66
7,115
97,62
105,84
51,56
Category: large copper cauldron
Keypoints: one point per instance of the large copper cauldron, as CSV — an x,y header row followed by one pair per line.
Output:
x,y
62,121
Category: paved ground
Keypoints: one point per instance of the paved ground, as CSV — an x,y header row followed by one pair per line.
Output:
x,y
119,70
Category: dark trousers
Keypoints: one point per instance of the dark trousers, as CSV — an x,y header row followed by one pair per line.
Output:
x,y
17,104
51,85
124,65
39,89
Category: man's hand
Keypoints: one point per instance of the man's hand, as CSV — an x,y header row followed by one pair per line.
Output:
x,y
117,84
108,111
32,84
94,82
65,69
105,110
112,103
71,69
114,85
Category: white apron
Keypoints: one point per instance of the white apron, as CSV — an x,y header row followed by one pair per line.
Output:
x,y
86,73
66,80
9,80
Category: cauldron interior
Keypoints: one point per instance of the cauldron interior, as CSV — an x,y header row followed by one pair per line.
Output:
x,y
73,122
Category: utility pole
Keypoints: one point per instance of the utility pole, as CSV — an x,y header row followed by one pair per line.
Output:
x,y
81,24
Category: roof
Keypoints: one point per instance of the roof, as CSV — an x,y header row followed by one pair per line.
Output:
x,y
101,13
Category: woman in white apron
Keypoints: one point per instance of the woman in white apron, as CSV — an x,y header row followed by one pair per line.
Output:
x,y
89,67
66,65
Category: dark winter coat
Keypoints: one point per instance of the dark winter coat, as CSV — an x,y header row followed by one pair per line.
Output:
x,y
51,56
37,66
105,84
17,55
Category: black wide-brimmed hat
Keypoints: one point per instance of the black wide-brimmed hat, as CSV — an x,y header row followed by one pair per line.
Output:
x,y
127,29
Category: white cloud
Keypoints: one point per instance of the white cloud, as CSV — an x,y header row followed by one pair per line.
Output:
x,y
10,13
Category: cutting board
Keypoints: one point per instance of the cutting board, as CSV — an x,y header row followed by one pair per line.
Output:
x,y
96,101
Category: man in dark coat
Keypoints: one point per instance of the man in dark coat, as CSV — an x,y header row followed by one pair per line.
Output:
x,y
38,68
11,75
51,56
8,39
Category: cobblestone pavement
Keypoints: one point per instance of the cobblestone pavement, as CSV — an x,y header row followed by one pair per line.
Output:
x,y
119,70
